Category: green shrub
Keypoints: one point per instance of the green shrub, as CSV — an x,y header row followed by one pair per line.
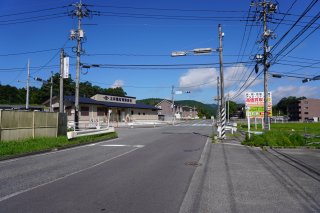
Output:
x,y
275,138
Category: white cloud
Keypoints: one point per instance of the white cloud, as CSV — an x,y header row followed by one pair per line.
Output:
x,y
117,83
197,79
235,76
297,91
239,98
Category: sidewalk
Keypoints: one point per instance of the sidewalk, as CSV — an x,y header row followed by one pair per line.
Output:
x,y
236,178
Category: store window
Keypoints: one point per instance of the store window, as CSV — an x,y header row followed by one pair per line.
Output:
x,y
84,111
101,111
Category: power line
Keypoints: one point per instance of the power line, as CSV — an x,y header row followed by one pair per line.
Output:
x,y
301,41
31,52
240,92
33,17
151,55
284,15
296,22
52,58
170,9
161,17
35,20
235,74
33,11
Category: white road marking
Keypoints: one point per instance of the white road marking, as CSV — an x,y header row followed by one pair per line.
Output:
x,y
123,145
63,177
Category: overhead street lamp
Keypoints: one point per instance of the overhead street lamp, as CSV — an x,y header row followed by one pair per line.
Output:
x,y
197,51
201,51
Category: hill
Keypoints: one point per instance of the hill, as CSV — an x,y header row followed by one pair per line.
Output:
x,y
206,110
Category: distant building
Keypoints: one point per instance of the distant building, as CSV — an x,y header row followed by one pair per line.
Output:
x,y
309,109
293,111
96,108
304,110
181,112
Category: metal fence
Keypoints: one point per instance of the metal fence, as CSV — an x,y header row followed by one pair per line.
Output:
x,y
16,125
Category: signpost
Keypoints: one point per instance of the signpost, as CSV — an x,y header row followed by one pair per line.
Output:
x,y
255,103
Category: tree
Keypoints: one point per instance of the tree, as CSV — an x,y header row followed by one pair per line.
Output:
x,y
13,95
118,91
282,106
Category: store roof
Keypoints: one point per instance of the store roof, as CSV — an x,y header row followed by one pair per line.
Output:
x,y
109,104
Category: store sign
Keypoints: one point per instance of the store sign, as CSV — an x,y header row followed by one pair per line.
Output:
x,y
255,104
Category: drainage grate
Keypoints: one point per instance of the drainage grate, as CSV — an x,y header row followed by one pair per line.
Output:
x,y
193,163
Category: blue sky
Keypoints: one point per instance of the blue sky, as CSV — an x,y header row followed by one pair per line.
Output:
x,y
145,32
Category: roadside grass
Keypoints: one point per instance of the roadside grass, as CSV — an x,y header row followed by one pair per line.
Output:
x,y
27,146
285,135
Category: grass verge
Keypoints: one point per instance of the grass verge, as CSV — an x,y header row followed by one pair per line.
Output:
x,y
277,139
285,135
10,149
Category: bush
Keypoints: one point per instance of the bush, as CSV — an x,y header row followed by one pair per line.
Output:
x,y
275,138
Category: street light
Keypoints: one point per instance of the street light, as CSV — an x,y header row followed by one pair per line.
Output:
x,y
197,51
200,51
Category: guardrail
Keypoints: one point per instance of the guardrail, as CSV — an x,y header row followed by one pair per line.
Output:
x,y
86,132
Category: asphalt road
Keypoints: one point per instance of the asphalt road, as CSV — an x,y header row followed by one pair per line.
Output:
x,y
144,170
165,169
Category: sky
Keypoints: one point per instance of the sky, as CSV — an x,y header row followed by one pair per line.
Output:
x,y
132,41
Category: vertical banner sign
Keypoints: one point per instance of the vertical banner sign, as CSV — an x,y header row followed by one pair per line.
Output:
x,y
66,67
255,104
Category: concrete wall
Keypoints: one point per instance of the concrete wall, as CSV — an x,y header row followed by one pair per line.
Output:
x,y
16,125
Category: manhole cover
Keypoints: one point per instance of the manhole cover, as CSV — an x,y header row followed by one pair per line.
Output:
x,y
193,163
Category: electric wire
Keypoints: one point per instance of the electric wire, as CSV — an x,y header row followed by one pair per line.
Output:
x,y
33,11
310,6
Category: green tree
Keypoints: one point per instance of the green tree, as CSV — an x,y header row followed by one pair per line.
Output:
x,y
282,105
118,91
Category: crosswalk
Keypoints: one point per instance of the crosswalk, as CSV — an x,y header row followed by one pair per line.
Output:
x,y
193,124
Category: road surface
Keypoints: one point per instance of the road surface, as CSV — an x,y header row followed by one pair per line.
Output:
x,y
165,169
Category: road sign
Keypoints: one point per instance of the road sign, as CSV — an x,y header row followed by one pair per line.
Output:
x,y
66,67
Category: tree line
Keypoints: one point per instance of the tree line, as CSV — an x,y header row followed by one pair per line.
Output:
x,y
13,95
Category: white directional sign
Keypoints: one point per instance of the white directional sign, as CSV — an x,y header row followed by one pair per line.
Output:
x,y
66,67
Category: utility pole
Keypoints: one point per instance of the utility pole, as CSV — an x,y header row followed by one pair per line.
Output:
x,y
228,108
173,108
223,110
80,11
267,9
265,66
218,100
51,85
28,82
61,107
